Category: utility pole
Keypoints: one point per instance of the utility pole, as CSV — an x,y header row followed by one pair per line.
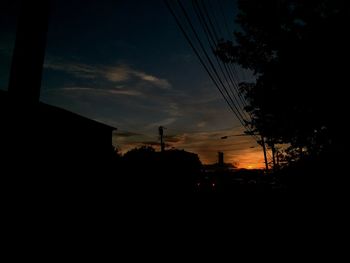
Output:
x,y
273,149
265,157
262,144
161,133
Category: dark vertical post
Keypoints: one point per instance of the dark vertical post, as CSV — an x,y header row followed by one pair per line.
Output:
x,y
29,51
273,149
264,149
221,159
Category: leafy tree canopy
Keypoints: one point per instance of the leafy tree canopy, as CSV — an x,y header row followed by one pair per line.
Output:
x,y
299,51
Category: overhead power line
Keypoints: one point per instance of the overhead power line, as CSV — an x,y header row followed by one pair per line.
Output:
x,y
223,75
207,68
213,40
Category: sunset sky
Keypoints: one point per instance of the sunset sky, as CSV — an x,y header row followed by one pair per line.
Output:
x,y
126,64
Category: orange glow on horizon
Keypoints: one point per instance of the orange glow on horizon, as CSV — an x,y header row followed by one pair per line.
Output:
x,y
242,151
242,160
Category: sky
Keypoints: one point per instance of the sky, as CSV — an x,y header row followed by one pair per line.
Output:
x,y
125,63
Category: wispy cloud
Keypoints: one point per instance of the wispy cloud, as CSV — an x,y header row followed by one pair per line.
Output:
x,y
161,83
127,92
163,122
174,138
201,124
123,73
115,74
173,109
118,74
126,134
76,89
77,69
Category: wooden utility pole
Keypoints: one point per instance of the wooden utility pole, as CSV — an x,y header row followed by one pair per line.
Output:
x,y
273,149
262,144
265,156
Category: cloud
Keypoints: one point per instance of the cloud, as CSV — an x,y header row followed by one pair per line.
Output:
x,y
126,134
126,92
161,83
151,143
173,138
164,122
114,74
201,124
124,73
173,109
118,74
77,69
76,89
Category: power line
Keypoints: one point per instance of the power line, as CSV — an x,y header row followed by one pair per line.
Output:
x,y
197,53
235,92
231,68
237,112
212,43
230,37
213,36
209,60
204,131
213,73
228,68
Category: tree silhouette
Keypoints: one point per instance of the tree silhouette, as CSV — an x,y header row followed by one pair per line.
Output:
x,y
144,169
296,50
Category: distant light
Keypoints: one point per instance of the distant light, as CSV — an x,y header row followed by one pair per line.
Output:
x,y
213,184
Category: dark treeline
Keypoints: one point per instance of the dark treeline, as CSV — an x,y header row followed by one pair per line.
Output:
x,y
145,170
298,51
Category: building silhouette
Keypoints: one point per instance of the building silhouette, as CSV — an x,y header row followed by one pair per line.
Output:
x,y
220,159
39,142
